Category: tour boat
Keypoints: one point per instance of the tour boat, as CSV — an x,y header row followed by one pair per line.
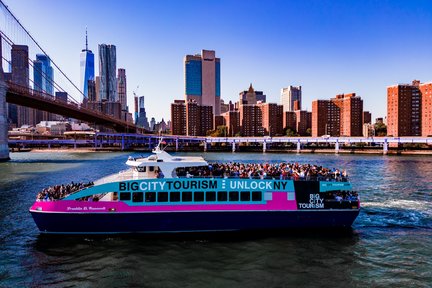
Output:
x,y
151,197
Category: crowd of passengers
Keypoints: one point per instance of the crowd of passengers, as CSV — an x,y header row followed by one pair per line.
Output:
x,y
282,171
340,196
60,191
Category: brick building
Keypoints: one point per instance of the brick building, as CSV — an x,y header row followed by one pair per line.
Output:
x,y
367,117
251,120
403,110
289,120
178,117
232,122
272,118
426,111
339,116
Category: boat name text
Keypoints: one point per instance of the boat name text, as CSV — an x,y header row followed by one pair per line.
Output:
x,y
315,201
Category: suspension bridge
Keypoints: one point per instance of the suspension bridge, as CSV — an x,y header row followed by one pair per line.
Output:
x,y
20,75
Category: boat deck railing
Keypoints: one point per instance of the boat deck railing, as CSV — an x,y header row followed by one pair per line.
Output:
x,y
294,178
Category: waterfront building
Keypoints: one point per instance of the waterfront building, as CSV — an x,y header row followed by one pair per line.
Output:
x,y
325,118
199,119
122,88
178,117
351,114
339,116
251,120
232,122
290,121
303,122
426,109
289,95
272,118
87,69
367,117
202,79
299,121
107,71
403,109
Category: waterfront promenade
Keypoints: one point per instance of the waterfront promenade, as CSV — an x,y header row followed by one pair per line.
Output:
x,y
129,141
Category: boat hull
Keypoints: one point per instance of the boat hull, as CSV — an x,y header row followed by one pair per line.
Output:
x,y
178,222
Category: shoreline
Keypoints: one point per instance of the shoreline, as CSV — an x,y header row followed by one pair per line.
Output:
x,y
271,151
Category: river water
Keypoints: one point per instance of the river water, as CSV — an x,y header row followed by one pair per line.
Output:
x,y
390,243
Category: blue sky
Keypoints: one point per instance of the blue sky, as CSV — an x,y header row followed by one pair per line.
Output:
x,y
328,47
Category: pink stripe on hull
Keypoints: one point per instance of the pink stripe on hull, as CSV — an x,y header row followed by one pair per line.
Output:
x,y
279,202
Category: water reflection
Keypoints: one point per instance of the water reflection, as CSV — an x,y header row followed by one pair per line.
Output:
x,y
389,244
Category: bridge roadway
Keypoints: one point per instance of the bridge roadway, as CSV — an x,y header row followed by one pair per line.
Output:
x,y
128,140
24,96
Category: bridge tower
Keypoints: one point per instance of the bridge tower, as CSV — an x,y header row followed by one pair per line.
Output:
x,y
4,148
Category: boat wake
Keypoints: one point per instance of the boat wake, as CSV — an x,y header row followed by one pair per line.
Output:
x,y
396,213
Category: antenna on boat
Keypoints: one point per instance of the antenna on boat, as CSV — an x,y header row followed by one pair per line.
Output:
x,y
158,147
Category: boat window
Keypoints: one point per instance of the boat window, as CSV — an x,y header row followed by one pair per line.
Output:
x,y
199,196
256,196
245,196
187,196
175,196
210,196
137,197
150,197
151,168
125,196
222,196
141,168
162,197
115,196
233,196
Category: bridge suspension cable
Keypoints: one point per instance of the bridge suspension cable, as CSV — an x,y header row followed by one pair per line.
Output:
x,y
9,13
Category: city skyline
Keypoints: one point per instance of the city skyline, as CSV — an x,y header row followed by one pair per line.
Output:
x,y
333,47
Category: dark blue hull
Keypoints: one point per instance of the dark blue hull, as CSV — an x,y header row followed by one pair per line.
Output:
x,y
109,223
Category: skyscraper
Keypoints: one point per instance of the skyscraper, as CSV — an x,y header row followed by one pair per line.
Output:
x,y
87,68
43,81
289,96
141,119
122,88
202,79
20,76
107,71
43,74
